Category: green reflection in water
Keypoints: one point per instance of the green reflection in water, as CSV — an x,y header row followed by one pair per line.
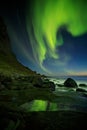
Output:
x,y
38,105
53,107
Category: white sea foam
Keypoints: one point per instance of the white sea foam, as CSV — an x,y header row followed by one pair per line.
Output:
x,y
61,80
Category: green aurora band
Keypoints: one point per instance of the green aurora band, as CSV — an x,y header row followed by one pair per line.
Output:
x,y
45,18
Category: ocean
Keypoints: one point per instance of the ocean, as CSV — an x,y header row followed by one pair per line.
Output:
x,y
69,97
62,79
78,79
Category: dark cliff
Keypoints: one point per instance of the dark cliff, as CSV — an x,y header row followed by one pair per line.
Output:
x,y
8,62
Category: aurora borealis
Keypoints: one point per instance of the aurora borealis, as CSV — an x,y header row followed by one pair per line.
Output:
x,y
49,36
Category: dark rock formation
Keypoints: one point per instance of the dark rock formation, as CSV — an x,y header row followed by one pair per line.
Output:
x,y
80,90
2,87
50,85
5,82
70,83
37,82
84,95
60,85
8,62
40,83
82,85
46,80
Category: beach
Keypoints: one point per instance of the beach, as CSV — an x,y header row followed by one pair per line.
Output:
x,y
69,98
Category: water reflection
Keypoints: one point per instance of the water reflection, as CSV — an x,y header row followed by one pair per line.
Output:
x,y
39,105
62,103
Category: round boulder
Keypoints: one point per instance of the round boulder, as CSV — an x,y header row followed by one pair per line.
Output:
x,y
70,83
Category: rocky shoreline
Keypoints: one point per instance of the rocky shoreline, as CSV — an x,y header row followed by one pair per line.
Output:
x,y
70,83
23,97
40,84
25,82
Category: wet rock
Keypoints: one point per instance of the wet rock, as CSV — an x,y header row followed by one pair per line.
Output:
x,y
2,87
37,82
60,85
5,80
21,85
46,80
70,83
81,90
82,85
85,95
49,85
52,86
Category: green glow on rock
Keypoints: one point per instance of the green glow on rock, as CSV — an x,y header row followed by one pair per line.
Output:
x,y
47,17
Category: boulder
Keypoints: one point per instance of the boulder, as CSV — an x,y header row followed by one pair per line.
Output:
x,y
70,83
82,85
85,95
46,80
49,85
81,90
52,86
37,82
60,85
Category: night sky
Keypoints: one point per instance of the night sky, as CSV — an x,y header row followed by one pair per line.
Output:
x,y
48,36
